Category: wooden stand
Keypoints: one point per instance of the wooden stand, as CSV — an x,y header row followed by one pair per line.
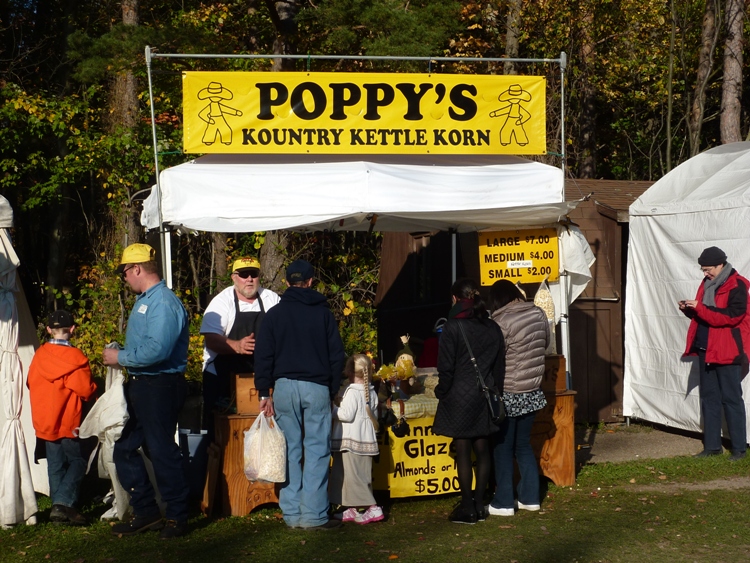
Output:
x,y
553,438
237,495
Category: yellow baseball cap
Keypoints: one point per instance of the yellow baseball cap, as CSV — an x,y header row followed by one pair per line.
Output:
x,y
136,254
245,263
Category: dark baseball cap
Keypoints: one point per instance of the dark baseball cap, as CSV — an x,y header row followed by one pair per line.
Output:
x,y
60,319
299,271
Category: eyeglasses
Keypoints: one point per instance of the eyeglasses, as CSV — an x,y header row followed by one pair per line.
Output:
x,y
244,274
706,269
125,271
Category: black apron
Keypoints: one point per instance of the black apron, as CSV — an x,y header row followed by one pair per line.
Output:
x,y
244,325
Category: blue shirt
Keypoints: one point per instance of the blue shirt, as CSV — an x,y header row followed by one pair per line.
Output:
x,y
157,337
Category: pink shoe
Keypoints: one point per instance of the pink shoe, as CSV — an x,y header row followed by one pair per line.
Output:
x,y
372,514
349,515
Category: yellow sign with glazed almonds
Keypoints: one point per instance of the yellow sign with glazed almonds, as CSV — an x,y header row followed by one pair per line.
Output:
x,y
527,256
348,113
418,464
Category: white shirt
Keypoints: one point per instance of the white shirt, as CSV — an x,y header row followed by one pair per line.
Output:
x,y
219,317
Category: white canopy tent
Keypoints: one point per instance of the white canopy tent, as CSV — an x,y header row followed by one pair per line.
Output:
x,y
396,193
703,202
247,193
18,341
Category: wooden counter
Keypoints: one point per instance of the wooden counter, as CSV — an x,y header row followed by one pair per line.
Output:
x,y
237,495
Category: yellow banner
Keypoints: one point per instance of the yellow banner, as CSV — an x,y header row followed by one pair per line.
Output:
x,y
363,113
419,464
526,256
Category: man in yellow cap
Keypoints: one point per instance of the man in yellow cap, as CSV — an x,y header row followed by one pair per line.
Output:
x,y
155,356
229,327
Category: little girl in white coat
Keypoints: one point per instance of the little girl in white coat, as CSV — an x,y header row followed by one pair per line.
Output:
x,y
353,445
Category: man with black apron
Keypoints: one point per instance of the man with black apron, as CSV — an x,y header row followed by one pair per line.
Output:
x,y
230,324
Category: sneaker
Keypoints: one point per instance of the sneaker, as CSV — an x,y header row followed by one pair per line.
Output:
x,y
492,511
347,515
372,514
137,525
462,516
173,529
58,514
332,524
708,453
736,456
529,507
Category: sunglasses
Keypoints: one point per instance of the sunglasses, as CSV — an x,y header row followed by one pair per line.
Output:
x,y
125,271
248,274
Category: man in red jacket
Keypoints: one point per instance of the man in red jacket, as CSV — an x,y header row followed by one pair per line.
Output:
x,y
719,334
59,381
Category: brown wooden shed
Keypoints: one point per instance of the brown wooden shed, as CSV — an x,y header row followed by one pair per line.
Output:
x,y
597,316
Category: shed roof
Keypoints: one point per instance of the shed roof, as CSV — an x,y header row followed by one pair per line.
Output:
x,y
613,197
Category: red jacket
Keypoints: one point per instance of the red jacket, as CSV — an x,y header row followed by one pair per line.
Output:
x,y
59,381
728,322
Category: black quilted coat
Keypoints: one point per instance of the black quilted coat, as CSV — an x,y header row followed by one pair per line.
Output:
x,y
462,411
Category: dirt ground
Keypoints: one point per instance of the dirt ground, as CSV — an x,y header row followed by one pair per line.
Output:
x,y
620,442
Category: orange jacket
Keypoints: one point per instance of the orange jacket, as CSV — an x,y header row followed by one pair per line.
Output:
x,y
59,381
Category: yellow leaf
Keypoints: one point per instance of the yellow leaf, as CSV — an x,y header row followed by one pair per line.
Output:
x,y
347,311
350,304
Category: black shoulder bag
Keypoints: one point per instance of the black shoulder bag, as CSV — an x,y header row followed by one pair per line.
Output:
x,y
494,400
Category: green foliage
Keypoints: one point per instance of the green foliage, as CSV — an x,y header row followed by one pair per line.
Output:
x,y
379,27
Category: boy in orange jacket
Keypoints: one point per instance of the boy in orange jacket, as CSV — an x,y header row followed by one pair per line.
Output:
x,y
59,381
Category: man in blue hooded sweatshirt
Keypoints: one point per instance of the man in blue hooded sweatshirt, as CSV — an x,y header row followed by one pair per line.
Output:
x,y
299,354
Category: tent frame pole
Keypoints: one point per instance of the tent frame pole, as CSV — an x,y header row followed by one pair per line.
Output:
x,y
164,239
562,61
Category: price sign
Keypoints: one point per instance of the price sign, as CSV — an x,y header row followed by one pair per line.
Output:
x,y
418,464
526,256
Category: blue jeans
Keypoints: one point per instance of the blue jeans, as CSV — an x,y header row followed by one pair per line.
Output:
x,y
303,412
722,386
66,468
514,441
154,401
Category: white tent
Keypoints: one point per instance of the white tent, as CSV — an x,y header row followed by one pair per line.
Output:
x,y
248,193
17,344
703,202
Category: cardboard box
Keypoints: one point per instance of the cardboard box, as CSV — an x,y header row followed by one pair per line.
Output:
x,y
248,399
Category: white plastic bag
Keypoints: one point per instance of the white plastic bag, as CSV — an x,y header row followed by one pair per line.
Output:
x,y
265,451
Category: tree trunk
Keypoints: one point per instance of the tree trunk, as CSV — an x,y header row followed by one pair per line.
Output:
x,y
284,17
587,160
511,35
731,92
219,261
273,251
709,37
272,257
673,32
123,114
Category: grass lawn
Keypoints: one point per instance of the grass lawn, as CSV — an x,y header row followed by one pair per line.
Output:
x,y
675,509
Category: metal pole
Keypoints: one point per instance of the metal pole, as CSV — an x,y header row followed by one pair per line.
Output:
x,y
564,277
351,58
163,239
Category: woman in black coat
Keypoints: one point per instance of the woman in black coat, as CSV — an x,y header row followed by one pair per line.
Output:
x,y
462,412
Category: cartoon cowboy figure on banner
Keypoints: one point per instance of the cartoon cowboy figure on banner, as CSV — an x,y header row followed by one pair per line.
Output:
x,y
515,115
214,114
